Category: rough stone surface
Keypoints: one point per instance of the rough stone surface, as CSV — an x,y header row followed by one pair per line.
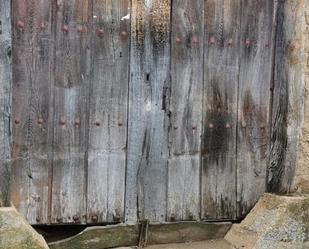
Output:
x,y
16,233
276,222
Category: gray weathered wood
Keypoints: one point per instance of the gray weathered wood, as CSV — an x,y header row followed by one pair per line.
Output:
x,y
32,57
100,237
256,52
186,109
108,111
288,96
222,34
146,182
5,99
126,235
72,67
181,232
87,125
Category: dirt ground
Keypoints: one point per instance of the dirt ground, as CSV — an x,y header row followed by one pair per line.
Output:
x,y
209,244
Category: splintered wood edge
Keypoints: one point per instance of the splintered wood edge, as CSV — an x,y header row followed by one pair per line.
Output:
x,y
128,235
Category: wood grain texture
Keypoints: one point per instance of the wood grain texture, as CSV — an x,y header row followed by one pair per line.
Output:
x,y
222,34
32,57
149,109
5,99
146,182
108,111
256,52
129,235
186,110
288,96
71,101
182,232
114,236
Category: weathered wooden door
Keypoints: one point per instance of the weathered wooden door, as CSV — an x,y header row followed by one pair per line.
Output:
x,y
70,109
131,110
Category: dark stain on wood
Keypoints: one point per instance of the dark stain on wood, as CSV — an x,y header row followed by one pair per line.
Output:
x,y
216,135
217,128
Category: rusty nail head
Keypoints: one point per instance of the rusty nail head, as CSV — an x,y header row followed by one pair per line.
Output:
x,y
65,29
97,123
175,127
62,121
94,218
40,121
211,126
76,218
194,127
80,29
194,40
77,122
116,217
20,25
120,124
42,25
230,42
100,32
124,33
248,42
212,40
17,121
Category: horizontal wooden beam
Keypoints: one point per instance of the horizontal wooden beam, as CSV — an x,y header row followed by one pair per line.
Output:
x,y
129,235
100,237
181,232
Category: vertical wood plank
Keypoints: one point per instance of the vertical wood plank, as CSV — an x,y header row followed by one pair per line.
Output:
x,y
108,111
146,182
288,96
32,57
256,51
72,66
186,109
5,99
222,34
